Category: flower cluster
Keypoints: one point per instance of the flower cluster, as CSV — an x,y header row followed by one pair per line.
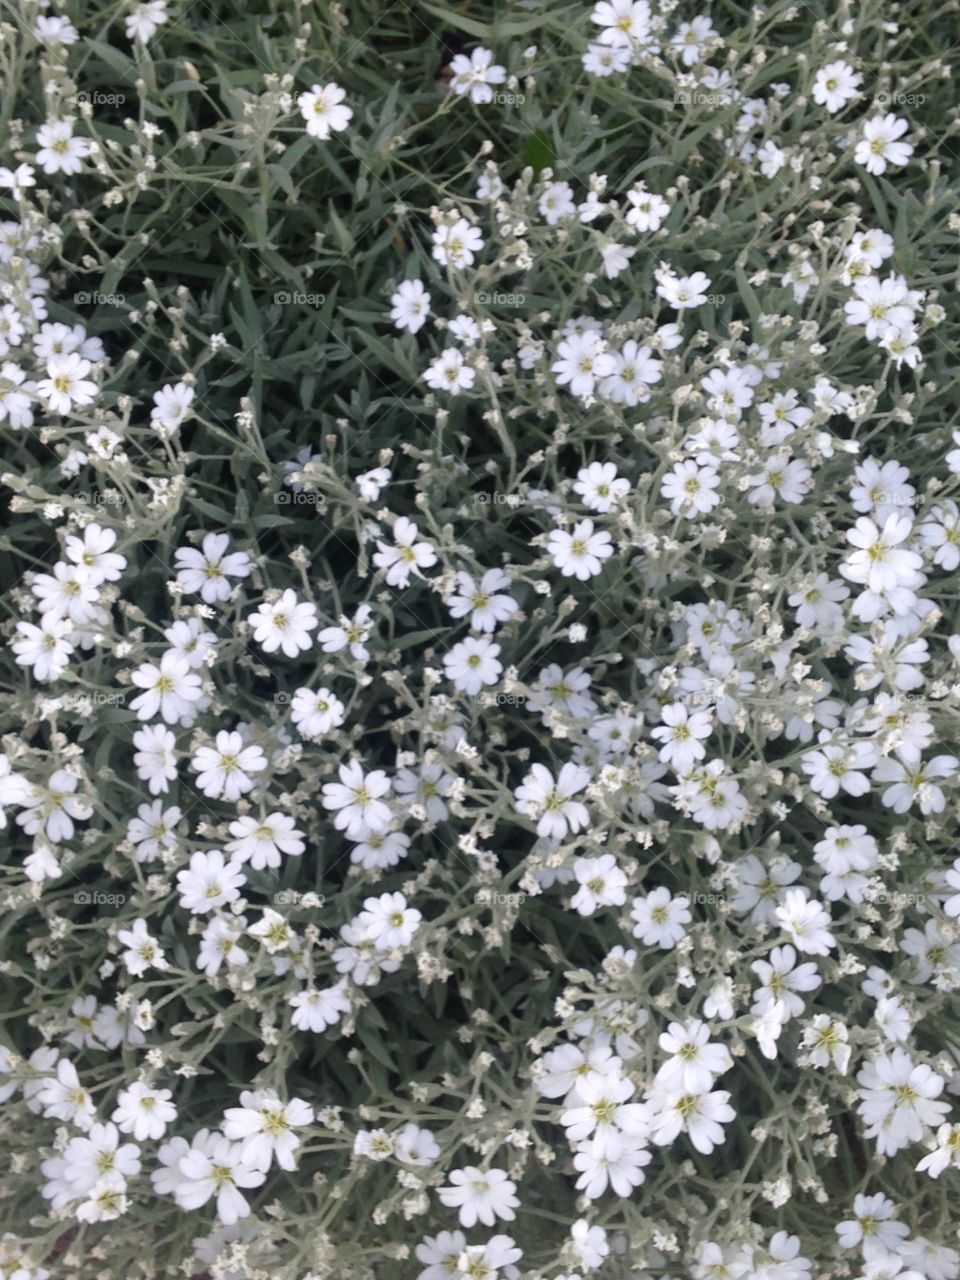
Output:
x,y
479,758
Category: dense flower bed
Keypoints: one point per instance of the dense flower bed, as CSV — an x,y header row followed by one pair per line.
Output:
x,y
480,644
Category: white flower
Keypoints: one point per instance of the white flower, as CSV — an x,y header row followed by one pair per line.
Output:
x,y
581,552
52,808
372,482
682,735
224,770
171,689
616,1161
92,551
691,490
456,243
691,38
602,884
473,663
475,75
152,830
285,624
261,841
826,1040
600,487
172,406
480,1196
356,801
209,882
209,570
317,1010
264,1125
63,1097
946,1154
483,602
602,60
155,757
316,713
388,922
539,796
557,202
410,306
694,1062
835,85
60,151
450,372
624,22
879,145
582,359
145,20
66,385
806,922
351,634
45,648
898,1100
219,1172
682,292
588,1244
407,556
782,979
322,108
144,1111
15,397
660,918
143,950
647,209
700,1115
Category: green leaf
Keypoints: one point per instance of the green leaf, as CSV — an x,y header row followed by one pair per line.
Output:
x,y
538,153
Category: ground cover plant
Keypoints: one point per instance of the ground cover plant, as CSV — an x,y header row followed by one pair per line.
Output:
x,y
479,641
